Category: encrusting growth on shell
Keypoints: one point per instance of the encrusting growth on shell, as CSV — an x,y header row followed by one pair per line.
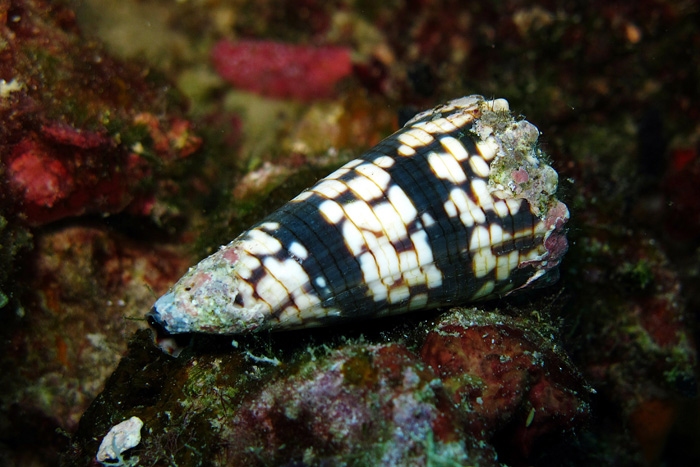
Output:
x,y
458,205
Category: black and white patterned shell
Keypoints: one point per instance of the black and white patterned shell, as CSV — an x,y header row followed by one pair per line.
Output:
x,y
456,206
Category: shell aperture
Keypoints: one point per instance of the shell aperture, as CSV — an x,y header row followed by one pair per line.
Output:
x,y
456,206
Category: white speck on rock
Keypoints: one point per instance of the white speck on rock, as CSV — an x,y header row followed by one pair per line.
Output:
x,y
122,437
9,87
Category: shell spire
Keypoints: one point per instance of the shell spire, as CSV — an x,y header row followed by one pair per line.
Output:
x,y
456,206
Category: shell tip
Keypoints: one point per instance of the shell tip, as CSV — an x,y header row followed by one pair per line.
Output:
x,y
166,341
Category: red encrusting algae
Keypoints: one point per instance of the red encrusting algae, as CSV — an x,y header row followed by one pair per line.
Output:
x,y
276,69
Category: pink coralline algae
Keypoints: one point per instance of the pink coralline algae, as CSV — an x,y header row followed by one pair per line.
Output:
x,y
509,381
63,171
485,389
42,179
46,182
79,134
373,404
276,69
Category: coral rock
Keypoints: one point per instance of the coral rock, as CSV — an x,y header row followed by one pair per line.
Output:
x,y
41,179
507,379
375,404
72,117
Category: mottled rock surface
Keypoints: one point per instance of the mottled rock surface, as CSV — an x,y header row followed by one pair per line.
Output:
x,y
612,87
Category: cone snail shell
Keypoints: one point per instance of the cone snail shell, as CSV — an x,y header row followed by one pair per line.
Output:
x,y
456,206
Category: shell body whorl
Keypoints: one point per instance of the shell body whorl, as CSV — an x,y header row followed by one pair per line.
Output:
x,y
456,206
